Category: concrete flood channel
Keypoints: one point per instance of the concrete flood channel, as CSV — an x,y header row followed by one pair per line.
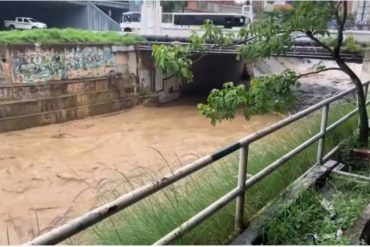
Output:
x,y
52,173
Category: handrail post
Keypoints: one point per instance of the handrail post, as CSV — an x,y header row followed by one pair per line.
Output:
x,y
324,122
242,176
366,89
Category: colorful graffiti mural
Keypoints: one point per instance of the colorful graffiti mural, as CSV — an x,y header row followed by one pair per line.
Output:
x,y
49,65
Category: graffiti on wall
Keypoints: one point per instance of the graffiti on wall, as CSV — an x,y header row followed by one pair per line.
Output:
x,y
75,63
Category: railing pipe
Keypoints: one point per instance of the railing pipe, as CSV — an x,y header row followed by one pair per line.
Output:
x,y
277,163
344,119
276,126
242,176
321,144
199,217
220,203
98,214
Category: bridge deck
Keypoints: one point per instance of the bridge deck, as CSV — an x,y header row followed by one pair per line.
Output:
x,y
312,52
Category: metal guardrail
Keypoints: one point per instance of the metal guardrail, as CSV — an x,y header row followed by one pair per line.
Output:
x,y
90,218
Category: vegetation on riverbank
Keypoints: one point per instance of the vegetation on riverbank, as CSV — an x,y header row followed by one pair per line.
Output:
x,y
69,35
152,218
315,219
350,45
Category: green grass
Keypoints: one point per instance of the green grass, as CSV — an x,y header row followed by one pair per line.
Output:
x,y
298,223
69,35
354,163
152,218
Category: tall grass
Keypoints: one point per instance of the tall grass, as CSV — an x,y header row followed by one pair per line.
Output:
x,y
69,35
152,218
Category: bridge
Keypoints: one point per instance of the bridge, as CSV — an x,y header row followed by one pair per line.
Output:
x,y
311,52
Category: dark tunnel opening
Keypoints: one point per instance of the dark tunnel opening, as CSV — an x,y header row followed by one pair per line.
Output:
x,y
212,71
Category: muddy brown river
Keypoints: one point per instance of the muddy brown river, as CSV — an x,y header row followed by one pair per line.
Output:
x,y
49,174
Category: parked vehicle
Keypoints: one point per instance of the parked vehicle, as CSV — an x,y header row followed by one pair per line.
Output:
x,y
130,21
184,23
24,23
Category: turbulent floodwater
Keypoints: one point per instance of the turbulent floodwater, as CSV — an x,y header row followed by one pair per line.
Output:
x,y
49,173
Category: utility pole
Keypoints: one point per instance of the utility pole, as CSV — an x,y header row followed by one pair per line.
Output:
x,y
151,17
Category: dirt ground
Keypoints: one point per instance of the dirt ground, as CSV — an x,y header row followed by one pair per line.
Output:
x,y
48,174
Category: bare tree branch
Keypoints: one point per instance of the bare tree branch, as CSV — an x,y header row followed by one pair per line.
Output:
x,y
320,43
318,71
199,58
336,13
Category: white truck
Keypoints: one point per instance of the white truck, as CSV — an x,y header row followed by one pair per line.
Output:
x,y
24,23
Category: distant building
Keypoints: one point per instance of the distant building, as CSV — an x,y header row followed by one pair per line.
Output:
x,y
361,12
270,6
213,6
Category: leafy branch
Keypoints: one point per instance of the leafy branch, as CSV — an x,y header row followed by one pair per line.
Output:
x,y
271,93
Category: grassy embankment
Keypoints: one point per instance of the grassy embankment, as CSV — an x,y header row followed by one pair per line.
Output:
x,y
69,35
152,218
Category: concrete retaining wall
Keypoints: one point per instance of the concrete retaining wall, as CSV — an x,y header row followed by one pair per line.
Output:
x,y
50,84
30,105
62,115
34,63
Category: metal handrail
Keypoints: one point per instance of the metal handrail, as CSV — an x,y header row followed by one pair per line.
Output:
x,y
98,214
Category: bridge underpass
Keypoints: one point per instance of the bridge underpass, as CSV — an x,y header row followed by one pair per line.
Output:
x,y
220,66
210,72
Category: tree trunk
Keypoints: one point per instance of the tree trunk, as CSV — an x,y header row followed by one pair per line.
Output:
x,y
364,125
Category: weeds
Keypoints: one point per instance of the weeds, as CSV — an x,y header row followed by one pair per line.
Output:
x,y
69,35
350,45
308,222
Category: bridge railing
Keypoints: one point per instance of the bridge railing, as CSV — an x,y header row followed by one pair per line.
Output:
x,y
243,184
310,52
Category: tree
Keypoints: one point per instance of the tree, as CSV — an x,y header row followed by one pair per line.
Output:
x,y
173,6
275,35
